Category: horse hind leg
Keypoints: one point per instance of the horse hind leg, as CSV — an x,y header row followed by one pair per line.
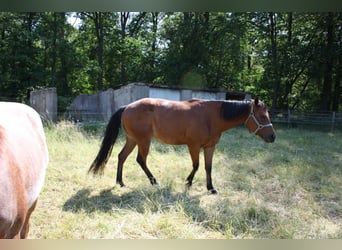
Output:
x,y
5,227
141,159
126,150
25,229
14,231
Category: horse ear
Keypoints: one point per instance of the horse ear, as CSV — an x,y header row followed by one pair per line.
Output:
x,y
256,101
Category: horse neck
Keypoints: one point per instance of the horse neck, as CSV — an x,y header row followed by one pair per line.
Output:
x,y
238,119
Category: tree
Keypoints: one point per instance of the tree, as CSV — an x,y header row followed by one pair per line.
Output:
x,y
187,45
290,60
20,69
326,97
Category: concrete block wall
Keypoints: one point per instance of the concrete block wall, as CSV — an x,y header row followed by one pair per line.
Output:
x,y
185,94
44,101
102,105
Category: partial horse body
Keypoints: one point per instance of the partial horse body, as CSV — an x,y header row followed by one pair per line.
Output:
x,y
195,123
23,162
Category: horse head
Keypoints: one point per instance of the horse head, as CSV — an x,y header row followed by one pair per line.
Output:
x,y
259,122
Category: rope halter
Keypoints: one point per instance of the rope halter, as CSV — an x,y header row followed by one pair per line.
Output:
x,y
257,123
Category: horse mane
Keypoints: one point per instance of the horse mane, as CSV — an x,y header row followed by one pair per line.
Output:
x,y
231,110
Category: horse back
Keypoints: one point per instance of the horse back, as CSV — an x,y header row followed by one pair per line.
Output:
x,y
171,122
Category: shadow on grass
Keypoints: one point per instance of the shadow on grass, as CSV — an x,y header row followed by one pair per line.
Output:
x,y
161,199
221,217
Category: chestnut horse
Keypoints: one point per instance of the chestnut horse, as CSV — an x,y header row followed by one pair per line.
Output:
x,y
23,162
195,123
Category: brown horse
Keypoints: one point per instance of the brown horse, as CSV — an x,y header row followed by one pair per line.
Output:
x,y
23,162
196,123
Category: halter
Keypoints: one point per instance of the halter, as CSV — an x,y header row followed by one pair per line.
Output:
x,y
259,125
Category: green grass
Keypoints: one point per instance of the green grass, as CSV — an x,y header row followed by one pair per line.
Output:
x,y
288,189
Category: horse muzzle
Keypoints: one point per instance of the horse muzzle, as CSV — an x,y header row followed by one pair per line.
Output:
x,y
269,138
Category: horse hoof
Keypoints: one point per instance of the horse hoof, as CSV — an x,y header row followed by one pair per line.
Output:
x,y
153,181
212,191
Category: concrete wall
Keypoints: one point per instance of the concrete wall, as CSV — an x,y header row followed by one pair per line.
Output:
x,y
44,101
185,94
84,107
102,105
105,104
169,94
129,93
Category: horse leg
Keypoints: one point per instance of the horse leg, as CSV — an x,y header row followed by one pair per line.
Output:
x,y
14,231
194,153
141,159
26,226
126,150
208,158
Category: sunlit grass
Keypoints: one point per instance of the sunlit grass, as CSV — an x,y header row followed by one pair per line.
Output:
x,y
288,189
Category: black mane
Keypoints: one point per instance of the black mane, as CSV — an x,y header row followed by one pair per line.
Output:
x,y
231,110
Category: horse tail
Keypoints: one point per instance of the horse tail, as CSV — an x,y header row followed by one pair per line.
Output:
x,y
108,141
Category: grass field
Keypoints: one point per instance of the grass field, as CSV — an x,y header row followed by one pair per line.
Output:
x,y
288,189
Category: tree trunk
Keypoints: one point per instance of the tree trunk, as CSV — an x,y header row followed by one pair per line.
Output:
x,y
274,60
123,18
98,21
288,85
325,103
337,88
63,57
54,51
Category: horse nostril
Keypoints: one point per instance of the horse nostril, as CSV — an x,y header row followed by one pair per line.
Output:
x,y
272,137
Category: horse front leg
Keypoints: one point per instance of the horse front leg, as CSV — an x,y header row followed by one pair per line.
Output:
x,y
143,150
208,158
194,153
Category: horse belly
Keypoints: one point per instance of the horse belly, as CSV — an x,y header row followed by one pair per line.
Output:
x,y
169,140
170,135
177,131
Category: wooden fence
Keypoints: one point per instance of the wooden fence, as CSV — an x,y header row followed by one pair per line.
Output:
x,y
325,120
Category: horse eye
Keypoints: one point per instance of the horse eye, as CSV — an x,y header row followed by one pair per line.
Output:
x,y
264,117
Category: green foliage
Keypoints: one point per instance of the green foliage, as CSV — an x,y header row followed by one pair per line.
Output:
x,y
193,80
290,60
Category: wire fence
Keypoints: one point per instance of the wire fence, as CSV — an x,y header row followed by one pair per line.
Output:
x,y
320,120
327,121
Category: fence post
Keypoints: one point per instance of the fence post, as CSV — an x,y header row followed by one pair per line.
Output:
x,y
333,121
288,118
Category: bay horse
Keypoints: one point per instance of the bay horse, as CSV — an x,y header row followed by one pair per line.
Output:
x,y
195,123
23,162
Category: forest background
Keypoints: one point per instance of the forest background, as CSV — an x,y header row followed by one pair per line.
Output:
x,y
290,60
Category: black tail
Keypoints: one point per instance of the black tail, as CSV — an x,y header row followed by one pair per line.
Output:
x,y
109,139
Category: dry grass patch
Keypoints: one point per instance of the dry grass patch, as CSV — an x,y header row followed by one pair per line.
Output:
x,y
289,189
